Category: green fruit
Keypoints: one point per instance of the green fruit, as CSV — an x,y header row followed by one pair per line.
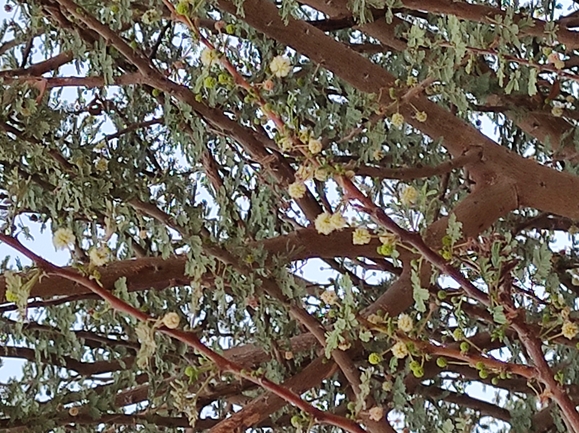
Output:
x,y
495,380
480,365
458,334
115,9
374,358
414,365
483,374
209,82
441,362
441,294
296,421
418,372
464,346
182,8
156,92
230,29
223,78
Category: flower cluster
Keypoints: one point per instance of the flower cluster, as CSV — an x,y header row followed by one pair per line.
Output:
x,y
421,116
63,238
280,66
376,413
400,350
209,57
329,297
314,146
361,236
408,196
99,256
397,120
405,323
326,223
297,190
569,329
171,320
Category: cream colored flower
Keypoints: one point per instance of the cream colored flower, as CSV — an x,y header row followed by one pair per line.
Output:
x,y
209,57
377,155
314,146
323,223
329,297
557,111
337,220
569,330
570,99
99,256
321,174
405,323
151,16
421,116
361,236
101,164
408,196
399,350
280,66
171,320
397,120
376,413
297,190
411,81
387,386
288,355
63,238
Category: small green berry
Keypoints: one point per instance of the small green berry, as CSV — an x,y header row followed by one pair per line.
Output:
x,y
483,374
441,362
495,380
182,8
156,92
480,365
374,358
296,421
458,334
441,295
223,78
209,82
414,365
230,29
464,347
418,372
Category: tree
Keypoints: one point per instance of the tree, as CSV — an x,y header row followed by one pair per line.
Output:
x,y
194,156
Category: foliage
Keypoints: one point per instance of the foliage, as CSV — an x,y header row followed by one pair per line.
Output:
x,y
198,160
